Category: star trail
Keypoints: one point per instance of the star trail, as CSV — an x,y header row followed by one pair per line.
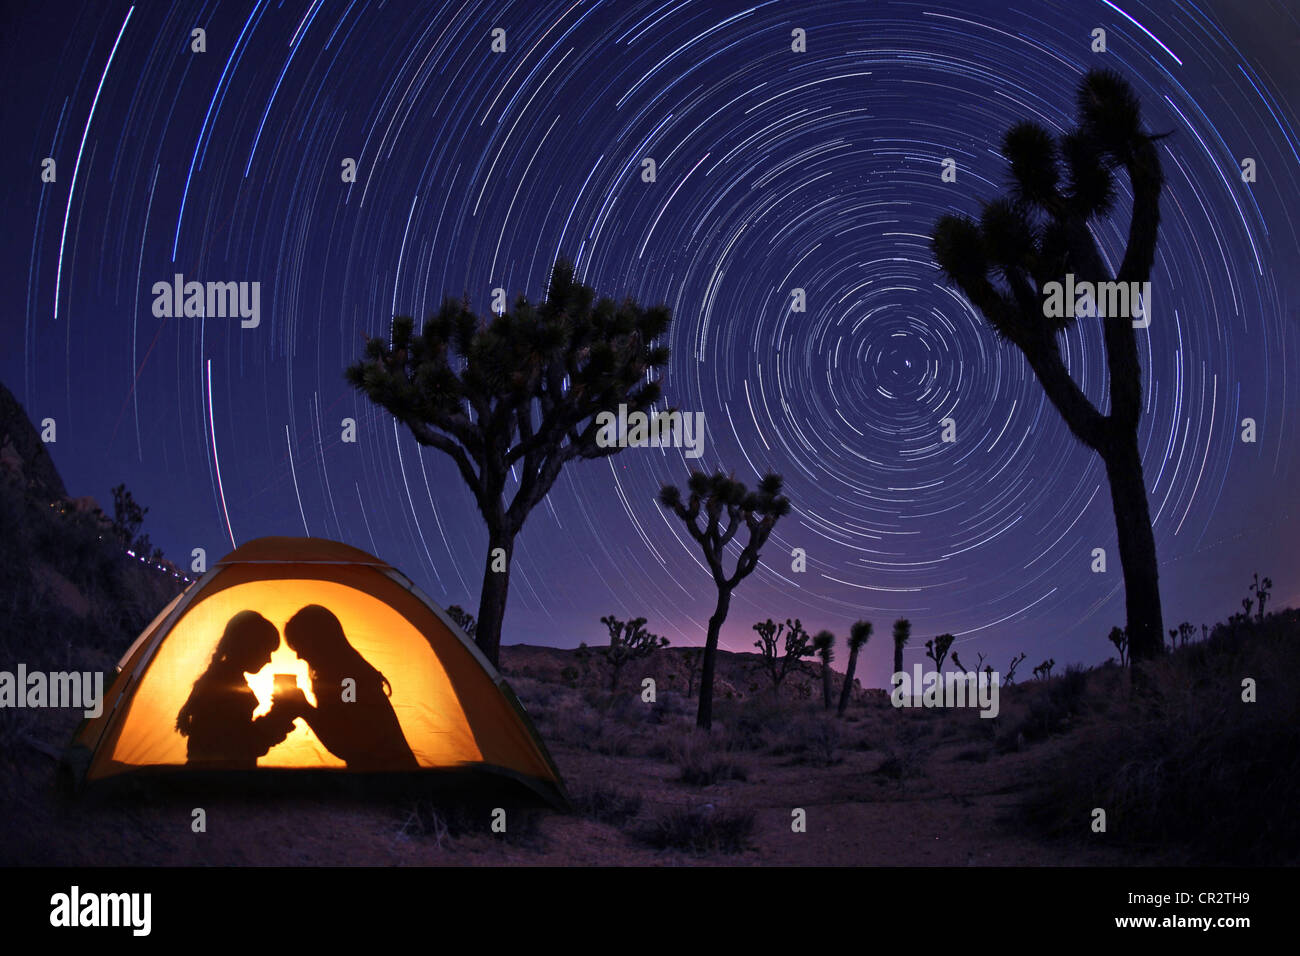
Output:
x,y
776,170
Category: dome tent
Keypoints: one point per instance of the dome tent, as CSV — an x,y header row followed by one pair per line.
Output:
x,y
386,685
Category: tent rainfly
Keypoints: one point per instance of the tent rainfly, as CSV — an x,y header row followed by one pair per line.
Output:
x,y
299,656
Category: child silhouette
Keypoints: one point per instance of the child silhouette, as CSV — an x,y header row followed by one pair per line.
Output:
x,y
217,718
361,729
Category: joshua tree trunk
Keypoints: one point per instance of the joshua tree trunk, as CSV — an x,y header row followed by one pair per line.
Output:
x,y
1137,548
704,718
848,680
492,600
826,684
898,657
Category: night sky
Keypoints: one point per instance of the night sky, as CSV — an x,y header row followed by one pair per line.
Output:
x,y
775,170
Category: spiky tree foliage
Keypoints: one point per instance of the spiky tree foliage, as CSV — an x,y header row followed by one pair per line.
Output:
x,y
824,646
128,518
715,509
937,649
464,620
1011,670
628,641
515,395
1044,670
859,634
1120,640
1261,590
797,646
1037,235
902,634
979,664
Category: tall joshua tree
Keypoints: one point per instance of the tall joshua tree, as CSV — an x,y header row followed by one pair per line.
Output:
x,y
1041,233
711,499
517,394
824,645
902,634
859,634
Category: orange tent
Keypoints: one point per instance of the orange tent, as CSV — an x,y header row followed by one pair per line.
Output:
x,y
294,655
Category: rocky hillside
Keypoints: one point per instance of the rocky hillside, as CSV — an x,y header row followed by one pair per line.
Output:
x,y
66,582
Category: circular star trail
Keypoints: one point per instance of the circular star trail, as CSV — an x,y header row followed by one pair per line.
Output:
x,y
778,174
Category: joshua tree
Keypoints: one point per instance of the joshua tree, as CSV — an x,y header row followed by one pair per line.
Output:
x,y
937,649
979,665
628,641
824,645
583,656
1261,590
512,399
692,656
1011,670
1041,234
464,620
859,634
1120,640
902,634
1044,670
711,498
1179,636
797,646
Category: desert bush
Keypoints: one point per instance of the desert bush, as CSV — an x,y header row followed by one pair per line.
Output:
x,y
751,725
700,830
1052,709
607,805
810,740
1186,767
702,764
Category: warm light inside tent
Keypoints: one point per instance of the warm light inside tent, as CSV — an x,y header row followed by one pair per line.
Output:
x,y
283,661
423,700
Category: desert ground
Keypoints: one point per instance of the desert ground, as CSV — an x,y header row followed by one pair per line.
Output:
x,y
880,786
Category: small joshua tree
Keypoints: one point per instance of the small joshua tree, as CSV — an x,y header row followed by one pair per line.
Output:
x,y
824,645
464,620
937,649
711,499
583,655
1044,670
979,664
1261,590
692,657
859,634
628,641
1011,669
902,634
1120,640
797,646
